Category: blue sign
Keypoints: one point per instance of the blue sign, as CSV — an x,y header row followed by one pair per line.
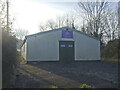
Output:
x,y
67,34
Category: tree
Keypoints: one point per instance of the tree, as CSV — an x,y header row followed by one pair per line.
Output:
x,y
3,17
20,33
119,19
9,52
94,14
110,26
59,21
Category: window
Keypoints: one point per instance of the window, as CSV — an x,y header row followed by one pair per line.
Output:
x,y
70,45
62,45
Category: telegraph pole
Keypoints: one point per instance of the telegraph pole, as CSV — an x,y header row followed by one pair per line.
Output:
x,y
7,16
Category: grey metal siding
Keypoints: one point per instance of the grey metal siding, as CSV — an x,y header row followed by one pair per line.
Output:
x,y
86,48
44,47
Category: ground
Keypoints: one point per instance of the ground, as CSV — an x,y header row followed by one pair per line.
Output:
x,y
96,74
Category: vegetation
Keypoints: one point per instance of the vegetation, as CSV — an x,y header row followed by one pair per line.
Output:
x,y
98,20
85,86
66,20
111,51
9,51
99,24
20,34
52,86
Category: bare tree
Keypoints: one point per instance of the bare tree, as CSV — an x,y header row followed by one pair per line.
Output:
x,y
96,16
119,19
3,17
20,33
60,21
51,24
3,14
109,26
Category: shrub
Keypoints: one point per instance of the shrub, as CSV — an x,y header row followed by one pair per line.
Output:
x,y
111,50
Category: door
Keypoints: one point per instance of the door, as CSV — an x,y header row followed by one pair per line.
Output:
x,y
66,50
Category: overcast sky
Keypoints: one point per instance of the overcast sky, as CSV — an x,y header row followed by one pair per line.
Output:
x,y
29,13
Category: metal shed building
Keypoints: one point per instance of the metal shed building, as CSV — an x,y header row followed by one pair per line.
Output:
x,y
63,44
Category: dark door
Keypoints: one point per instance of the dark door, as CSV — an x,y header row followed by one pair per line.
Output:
x,y
66,50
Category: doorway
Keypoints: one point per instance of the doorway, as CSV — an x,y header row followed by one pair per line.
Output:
x,y
66,50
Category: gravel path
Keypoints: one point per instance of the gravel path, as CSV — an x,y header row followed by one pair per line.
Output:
x,y
67,74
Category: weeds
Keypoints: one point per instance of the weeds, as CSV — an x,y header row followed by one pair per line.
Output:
x,y
85,86
52,86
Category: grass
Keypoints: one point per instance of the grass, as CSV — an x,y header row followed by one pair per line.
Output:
x,y
18,50
82,86
52,86
85,86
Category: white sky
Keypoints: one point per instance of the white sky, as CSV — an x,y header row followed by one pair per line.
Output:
x,y
29,13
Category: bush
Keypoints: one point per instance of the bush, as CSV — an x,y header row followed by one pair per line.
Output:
x,y
9,57
111,50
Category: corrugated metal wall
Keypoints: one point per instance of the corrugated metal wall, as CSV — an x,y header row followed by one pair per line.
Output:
x,y
86,48
45,47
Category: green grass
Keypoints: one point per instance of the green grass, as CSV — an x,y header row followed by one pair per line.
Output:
x,y
85,86
52,86
18,50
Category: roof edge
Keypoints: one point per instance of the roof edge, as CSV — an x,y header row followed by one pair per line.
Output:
x,y
61,29
84,33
